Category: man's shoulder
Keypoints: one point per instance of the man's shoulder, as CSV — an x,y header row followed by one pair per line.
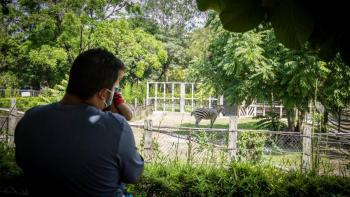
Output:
x,y
114,117
39,109
36,109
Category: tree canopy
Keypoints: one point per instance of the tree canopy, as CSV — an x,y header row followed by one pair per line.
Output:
x,y
253,66
40,39
320,24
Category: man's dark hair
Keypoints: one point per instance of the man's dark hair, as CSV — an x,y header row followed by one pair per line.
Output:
x,y
92,71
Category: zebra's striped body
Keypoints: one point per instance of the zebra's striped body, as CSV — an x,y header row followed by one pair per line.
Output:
x,y
205,113
339,123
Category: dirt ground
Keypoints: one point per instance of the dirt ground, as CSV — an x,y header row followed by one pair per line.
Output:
x,y
170,147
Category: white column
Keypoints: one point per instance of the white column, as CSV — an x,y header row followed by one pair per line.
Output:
x,y
182,97
172,97
281,111
221,102
155,96
147,94
209,100
164,93
192,96
255,110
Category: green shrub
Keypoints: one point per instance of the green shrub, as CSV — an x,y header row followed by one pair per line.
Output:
x,y
177,179
11,177
132,91
251,146
271,121
238,179
22,103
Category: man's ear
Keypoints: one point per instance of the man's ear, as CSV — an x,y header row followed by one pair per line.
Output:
x,y
102,94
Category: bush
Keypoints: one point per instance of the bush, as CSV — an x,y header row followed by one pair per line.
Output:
x,y
11,177
22,103
176,179
238,179
251,146
132,91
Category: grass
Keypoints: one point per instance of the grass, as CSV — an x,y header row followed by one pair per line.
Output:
x,y
285,161
243,123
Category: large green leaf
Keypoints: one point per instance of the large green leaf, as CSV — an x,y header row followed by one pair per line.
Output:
x,y
241,15
204,5
344,47
328,49
292,23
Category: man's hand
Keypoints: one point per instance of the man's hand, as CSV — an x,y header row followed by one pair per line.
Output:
x,y
118,99
119,106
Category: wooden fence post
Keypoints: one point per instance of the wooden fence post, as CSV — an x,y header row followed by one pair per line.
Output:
x,y
12,122
148,139
189,147
306,160
232,137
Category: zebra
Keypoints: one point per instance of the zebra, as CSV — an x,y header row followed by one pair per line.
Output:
x,y
206,113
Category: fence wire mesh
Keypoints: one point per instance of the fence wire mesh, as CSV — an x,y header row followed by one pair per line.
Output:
x,y
210,146
3,128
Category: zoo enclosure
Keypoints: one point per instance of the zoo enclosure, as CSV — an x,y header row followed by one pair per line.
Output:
x,y
185,97
322,152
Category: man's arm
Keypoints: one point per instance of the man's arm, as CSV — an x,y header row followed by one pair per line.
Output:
x,y
131,162
123,109
119,106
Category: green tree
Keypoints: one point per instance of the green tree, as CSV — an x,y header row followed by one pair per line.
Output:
x,y
253,66
40,39
140,51
171,23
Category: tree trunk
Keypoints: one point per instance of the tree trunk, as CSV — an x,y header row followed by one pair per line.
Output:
x,y
291,119
301,117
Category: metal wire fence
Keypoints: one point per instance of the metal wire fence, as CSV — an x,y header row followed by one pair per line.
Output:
x,y
285,150
329,153
3,128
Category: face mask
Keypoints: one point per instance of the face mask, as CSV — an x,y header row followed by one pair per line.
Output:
x,y
110,99
117,89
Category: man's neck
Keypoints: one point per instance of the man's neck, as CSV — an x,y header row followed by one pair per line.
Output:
x,y
70,99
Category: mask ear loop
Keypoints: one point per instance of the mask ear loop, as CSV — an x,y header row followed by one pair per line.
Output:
x,y
117,89
104,100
